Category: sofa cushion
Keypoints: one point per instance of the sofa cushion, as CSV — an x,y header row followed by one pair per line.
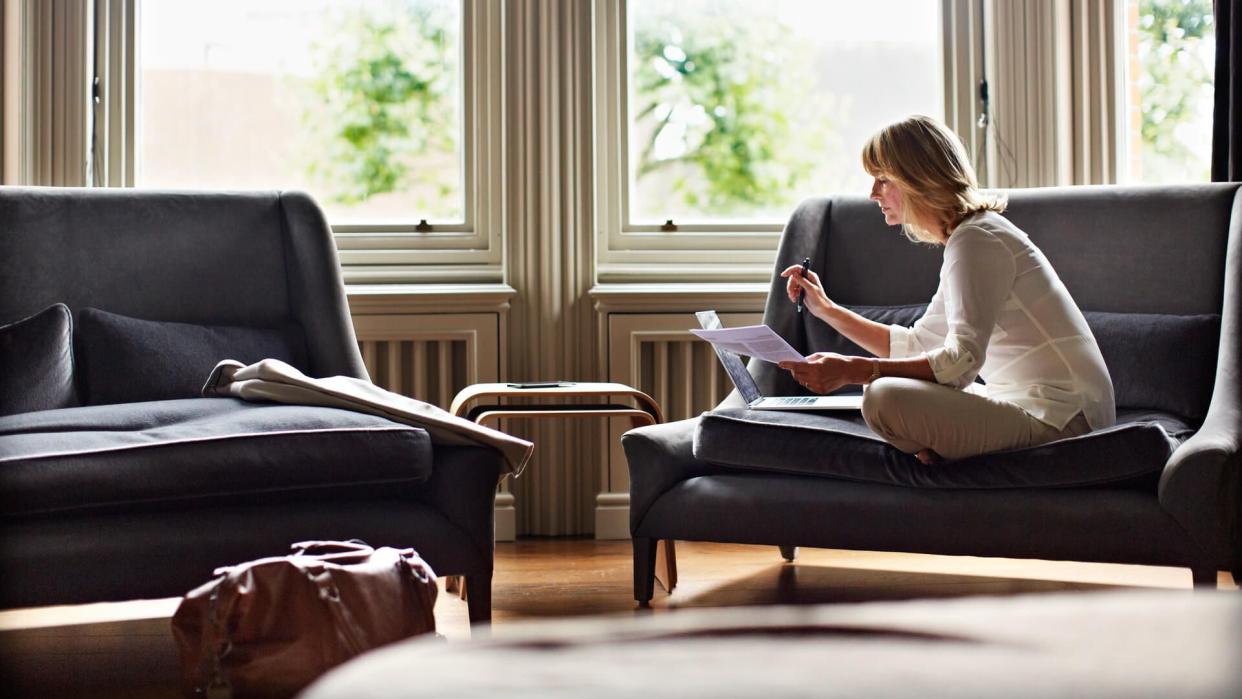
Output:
x,y
1161,362
128,360
822,338
162,453
36,362
840,445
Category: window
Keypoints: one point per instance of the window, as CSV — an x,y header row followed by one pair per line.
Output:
x,y
1170,51
383,110
730,112
359,104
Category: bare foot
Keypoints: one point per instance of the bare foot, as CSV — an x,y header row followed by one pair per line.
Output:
x,y
928,457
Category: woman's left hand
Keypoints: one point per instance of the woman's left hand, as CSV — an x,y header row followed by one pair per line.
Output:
x,y
822,372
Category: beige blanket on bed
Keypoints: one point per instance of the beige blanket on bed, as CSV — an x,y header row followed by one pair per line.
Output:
x,y
276,381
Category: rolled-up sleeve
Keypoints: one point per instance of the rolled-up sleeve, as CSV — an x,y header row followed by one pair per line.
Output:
x,y
902,342
926,332
977,278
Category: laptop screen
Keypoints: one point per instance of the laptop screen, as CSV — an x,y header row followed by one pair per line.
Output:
x,y
733,365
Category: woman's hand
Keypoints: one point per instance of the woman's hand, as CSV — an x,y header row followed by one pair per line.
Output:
x,y
825,372
816,300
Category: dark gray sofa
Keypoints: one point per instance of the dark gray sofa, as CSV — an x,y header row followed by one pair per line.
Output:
x,y
1158,271
116,482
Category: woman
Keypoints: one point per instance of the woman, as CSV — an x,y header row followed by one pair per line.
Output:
x,y
1000,312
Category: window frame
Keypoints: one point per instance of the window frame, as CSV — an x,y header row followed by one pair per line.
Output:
x,y
630,252
468,251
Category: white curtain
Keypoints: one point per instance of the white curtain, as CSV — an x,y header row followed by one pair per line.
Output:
x,y
1054,72
48,110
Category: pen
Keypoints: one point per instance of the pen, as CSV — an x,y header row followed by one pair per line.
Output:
x,y
806,264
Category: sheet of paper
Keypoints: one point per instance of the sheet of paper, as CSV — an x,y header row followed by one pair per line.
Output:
x,y
752,341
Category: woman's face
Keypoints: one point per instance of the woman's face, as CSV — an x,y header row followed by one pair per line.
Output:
x,y
886,194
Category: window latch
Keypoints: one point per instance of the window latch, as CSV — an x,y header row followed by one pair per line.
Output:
x,y
423,226
669,225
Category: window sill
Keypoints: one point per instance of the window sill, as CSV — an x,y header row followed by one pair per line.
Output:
x,y
679,298
380,299
697,273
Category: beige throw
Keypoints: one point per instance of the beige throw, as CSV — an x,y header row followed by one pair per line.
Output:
x,y
275,381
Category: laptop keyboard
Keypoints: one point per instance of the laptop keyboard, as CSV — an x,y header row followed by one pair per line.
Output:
x,y
792,400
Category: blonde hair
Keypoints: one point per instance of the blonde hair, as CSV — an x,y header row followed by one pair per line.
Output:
x,y
929,166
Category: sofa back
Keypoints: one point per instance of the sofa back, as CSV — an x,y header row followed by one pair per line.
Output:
x,y
1158,251
255,259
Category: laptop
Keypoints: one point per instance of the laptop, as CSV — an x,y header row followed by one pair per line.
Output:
x,y
749,390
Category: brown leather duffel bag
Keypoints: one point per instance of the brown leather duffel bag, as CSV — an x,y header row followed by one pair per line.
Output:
x,y
270,627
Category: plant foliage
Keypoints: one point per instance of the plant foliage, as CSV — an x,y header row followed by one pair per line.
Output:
x,y
382,99
712,99
1174,82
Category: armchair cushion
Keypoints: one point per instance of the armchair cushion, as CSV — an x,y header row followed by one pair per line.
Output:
x,y
1144,351
822,338
168,453
36,362
842,446
129,360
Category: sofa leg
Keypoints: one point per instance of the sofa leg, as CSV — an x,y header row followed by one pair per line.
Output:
x,y
1204,577
644,570
789,553
478,589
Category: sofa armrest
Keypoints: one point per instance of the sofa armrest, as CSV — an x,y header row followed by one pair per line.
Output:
x,y
659,457
1201,481
462,487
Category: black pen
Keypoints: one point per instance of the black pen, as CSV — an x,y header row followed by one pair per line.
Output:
x,y
806,264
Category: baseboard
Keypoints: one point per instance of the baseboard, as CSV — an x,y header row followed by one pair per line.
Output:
x,y
612,516
506,517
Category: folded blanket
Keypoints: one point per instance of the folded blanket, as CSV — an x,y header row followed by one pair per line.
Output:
x,y
276,381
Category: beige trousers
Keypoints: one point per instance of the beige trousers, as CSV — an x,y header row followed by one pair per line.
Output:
x,y
913,415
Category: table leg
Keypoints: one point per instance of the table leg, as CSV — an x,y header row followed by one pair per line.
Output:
x,y
454,583
666,564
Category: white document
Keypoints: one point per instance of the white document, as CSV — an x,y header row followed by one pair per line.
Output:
x,y
752,341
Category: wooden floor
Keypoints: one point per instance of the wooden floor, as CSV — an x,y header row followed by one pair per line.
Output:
x,y
125,649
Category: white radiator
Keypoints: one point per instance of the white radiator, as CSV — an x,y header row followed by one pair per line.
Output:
x,y
429,356
429,370
683,376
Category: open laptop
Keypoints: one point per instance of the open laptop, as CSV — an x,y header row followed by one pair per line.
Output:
x,y
749,390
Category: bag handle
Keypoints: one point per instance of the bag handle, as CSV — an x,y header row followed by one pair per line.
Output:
x,y
317,548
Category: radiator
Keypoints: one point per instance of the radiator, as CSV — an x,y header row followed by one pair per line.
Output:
x,y
656,354
429,356
683,376
429,370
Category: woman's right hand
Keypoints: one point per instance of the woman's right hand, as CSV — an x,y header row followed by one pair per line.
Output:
x,y
816,301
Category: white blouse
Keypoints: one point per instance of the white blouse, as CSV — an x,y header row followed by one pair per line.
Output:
x,y
1002,313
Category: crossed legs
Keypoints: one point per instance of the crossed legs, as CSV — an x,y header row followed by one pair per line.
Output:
x,y
921,416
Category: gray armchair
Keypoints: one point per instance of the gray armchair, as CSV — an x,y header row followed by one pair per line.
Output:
x,y
1158,271
117,481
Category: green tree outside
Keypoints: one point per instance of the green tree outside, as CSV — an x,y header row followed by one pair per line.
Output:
x,y
1175,85
381,102
711,104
